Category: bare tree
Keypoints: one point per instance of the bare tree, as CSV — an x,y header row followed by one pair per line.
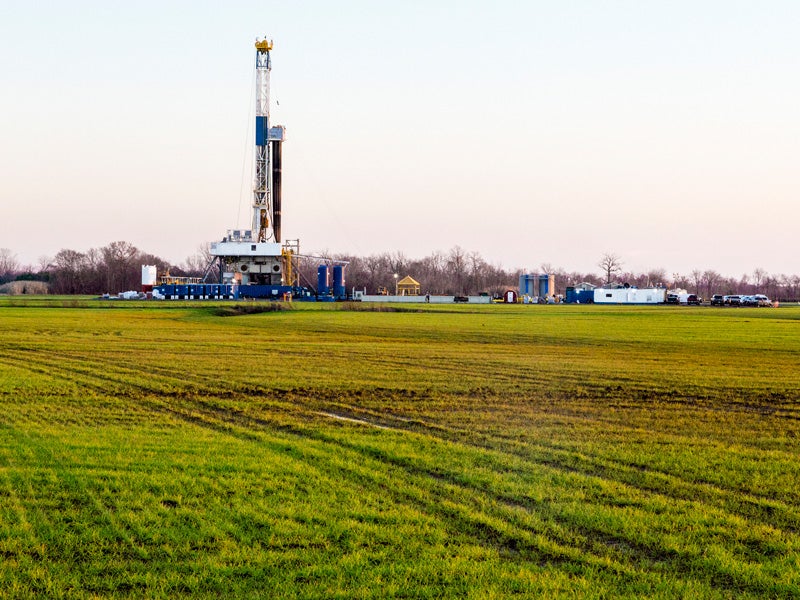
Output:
x,y
457,265
9,265
611,264
759,276
122,270
43,263
710,279
202,260
656,277
68,272
795,286
697,279
742,284
680,281
398,263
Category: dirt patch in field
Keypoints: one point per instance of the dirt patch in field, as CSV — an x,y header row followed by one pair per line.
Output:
x,y
250,309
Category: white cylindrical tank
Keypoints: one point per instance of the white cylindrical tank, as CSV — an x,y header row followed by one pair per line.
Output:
x,y
149,274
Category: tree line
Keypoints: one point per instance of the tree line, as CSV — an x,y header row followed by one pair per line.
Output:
x,y
116,267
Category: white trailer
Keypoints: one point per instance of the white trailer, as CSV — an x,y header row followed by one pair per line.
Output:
x,y
630,295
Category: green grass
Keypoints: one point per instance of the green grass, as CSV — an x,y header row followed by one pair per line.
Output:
x,y
193,450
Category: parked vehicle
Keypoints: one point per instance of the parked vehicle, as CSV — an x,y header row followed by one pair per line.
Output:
x,y
672,299
762,300
734,300
717,300
693,299
749,301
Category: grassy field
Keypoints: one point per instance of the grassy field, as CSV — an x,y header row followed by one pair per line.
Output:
x,y
171,450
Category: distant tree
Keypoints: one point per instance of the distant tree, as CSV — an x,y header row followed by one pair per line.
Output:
x,y
546,268
478,270
656,277
432,275
375,268
680,281
9,265
743,285
121,267
457,266
67,272
710,279
759,276
788,287
794,287
201,263
697,279
611,264
772,286
398,262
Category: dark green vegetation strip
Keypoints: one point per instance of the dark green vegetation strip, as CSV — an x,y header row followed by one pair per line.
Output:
x,y
173,450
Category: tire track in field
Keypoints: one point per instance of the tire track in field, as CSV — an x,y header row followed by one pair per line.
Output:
x,y
462,369
241,427
487,533
213,413
481,527
763,510
498,524
186,406
770,511
93,374
192,406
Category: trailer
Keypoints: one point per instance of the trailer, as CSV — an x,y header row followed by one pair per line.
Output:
x,y
630,295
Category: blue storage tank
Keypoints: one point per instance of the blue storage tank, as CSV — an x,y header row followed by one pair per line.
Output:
x,y
339,291
544,285
527,285
322,280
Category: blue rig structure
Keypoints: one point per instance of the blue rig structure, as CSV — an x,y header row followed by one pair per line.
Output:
x,y
254,263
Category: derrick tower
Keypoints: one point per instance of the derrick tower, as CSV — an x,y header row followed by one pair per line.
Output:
x,y
254,256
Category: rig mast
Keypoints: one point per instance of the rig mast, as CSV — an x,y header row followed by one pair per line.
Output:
x,y
255,256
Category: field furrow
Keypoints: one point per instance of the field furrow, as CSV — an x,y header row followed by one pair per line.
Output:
x,y
166,451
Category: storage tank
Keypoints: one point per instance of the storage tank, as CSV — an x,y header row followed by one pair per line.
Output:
x,y
547,285
149,277
339,291
322,280
527,285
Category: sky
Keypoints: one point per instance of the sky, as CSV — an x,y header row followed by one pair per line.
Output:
x,y
532,132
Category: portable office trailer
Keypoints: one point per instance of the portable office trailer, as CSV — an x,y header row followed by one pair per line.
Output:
x,y
630,295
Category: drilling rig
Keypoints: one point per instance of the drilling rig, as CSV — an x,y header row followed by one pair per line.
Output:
x,y
255,263
255,257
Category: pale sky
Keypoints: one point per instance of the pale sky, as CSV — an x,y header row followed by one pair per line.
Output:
x,y
529,131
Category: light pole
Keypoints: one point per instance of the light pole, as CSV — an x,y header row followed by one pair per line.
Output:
x,y
395,284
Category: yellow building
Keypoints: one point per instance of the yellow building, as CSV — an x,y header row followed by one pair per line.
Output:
x,y
408,286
